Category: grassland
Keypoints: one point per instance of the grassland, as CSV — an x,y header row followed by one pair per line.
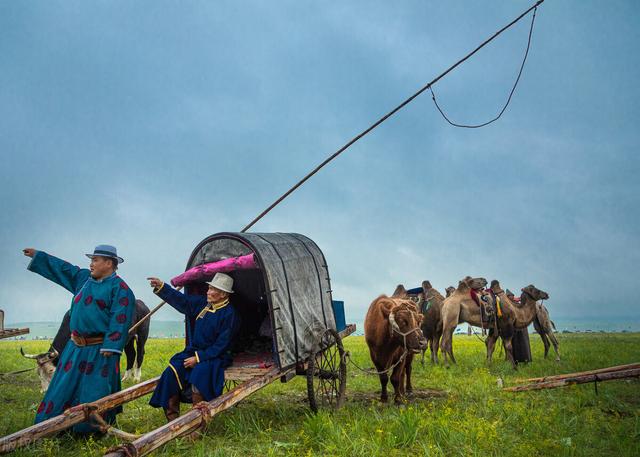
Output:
x,y
467,415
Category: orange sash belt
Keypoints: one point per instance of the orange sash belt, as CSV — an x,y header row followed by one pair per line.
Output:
x,y
87,341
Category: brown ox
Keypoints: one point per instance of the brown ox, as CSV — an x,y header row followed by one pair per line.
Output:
x,y
392,331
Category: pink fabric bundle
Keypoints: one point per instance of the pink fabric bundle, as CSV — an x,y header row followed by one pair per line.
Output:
x,y
207,270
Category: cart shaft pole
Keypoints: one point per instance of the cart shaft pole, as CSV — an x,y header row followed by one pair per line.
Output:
x,y
195,418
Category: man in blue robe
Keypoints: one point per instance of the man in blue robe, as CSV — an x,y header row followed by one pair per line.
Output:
x,y
101,313
201,364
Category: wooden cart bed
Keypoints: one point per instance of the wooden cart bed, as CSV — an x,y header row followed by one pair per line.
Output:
x,y
9,332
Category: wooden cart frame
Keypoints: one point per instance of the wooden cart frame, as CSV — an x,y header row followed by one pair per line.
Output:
x,y
326,382
305,342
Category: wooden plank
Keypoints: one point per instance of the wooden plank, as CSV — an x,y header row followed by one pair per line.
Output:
x,y
571,375
579,379
241,373
349,329
73,416
194,419
9,332
244,374
254,379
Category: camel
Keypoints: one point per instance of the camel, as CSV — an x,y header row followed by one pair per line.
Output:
x,y
400,292
431,308
449,290
513,317
545,328
429,302
458,307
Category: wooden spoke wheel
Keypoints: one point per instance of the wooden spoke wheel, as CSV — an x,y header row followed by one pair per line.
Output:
x,y
327,372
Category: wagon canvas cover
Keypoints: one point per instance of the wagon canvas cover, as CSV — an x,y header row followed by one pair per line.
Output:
x,y
297,285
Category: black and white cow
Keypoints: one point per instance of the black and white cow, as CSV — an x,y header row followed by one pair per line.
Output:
x,y
135,352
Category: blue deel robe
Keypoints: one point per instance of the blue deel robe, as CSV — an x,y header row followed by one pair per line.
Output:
x,y
104,307
209,342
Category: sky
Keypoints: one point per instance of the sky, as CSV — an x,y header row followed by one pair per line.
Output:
x,y
150,125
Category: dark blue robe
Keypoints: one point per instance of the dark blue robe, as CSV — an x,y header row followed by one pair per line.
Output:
x,y
99,307
209,341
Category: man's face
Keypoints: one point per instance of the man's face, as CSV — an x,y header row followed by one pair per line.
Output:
x,y
215,295
100,267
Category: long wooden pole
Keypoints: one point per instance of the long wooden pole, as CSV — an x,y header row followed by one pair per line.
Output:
x,y
581,373
137,324
579,379
10,332
194,419
74,416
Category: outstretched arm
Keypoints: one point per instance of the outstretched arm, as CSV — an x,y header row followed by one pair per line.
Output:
x,y
57,270
186,304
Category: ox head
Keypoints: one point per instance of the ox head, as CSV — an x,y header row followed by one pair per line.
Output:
x,y
535,293
404,322
46,367
43,357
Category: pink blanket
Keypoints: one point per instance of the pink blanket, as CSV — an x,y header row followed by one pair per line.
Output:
x,y
207,270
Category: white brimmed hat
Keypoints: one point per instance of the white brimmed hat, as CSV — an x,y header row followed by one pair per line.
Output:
x,y
223,282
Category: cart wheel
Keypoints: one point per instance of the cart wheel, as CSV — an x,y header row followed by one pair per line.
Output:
x,y
327,372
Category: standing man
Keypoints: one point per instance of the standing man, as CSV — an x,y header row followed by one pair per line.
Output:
x,y
201,364
101,313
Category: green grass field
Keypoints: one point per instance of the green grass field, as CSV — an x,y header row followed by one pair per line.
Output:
x,y
468,415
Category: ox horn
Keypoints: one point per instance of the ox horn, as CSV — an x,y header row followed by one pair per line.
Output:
x,y
28,356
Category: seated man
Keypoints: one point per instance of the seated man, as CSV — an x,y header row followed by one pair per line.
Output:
x,y
201,364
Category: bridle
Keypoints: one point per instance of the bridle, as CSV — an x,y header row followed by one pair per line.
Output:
x,y
396,329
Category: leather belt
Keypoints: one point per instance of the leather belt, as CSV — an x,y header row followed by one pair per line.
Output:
x,y
87,340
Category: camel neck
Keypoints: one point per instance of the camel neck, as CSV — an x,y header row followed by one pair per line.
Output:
x,y
526,312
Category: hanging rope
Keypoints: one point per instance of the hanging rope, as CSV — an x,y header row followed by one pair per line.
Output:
x,y
526,53
388,115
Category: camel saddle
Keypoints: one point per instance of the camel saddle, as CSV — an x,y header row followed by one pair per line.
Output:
x,y
488,309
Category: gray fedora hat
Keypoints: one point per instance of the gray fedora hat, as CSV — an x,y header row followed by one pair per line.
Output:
x,y
223,282
105,250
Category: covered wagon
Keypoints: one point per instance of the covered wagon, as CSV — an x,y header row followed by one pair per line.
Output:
x,y
290,326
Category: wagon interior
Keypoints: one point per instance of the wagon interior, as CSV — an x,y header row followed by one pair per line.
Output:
x,y
253,345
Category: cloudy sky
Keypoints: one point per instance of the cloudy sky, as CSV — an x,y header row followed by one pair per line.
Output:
x,y
150,125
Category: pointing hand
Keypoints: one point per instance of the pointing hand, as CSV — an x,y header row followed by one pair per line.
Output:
x,y
155,282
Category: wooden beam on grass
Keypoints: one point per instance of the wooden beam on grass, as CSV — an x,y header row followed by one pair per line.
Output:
x,y
73,416
10,332
570,375
196,418
577,379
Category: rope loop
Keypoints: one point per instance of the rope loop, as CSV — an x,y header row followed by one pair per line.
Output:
x,y
128,449
371,370
513,89
205,413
